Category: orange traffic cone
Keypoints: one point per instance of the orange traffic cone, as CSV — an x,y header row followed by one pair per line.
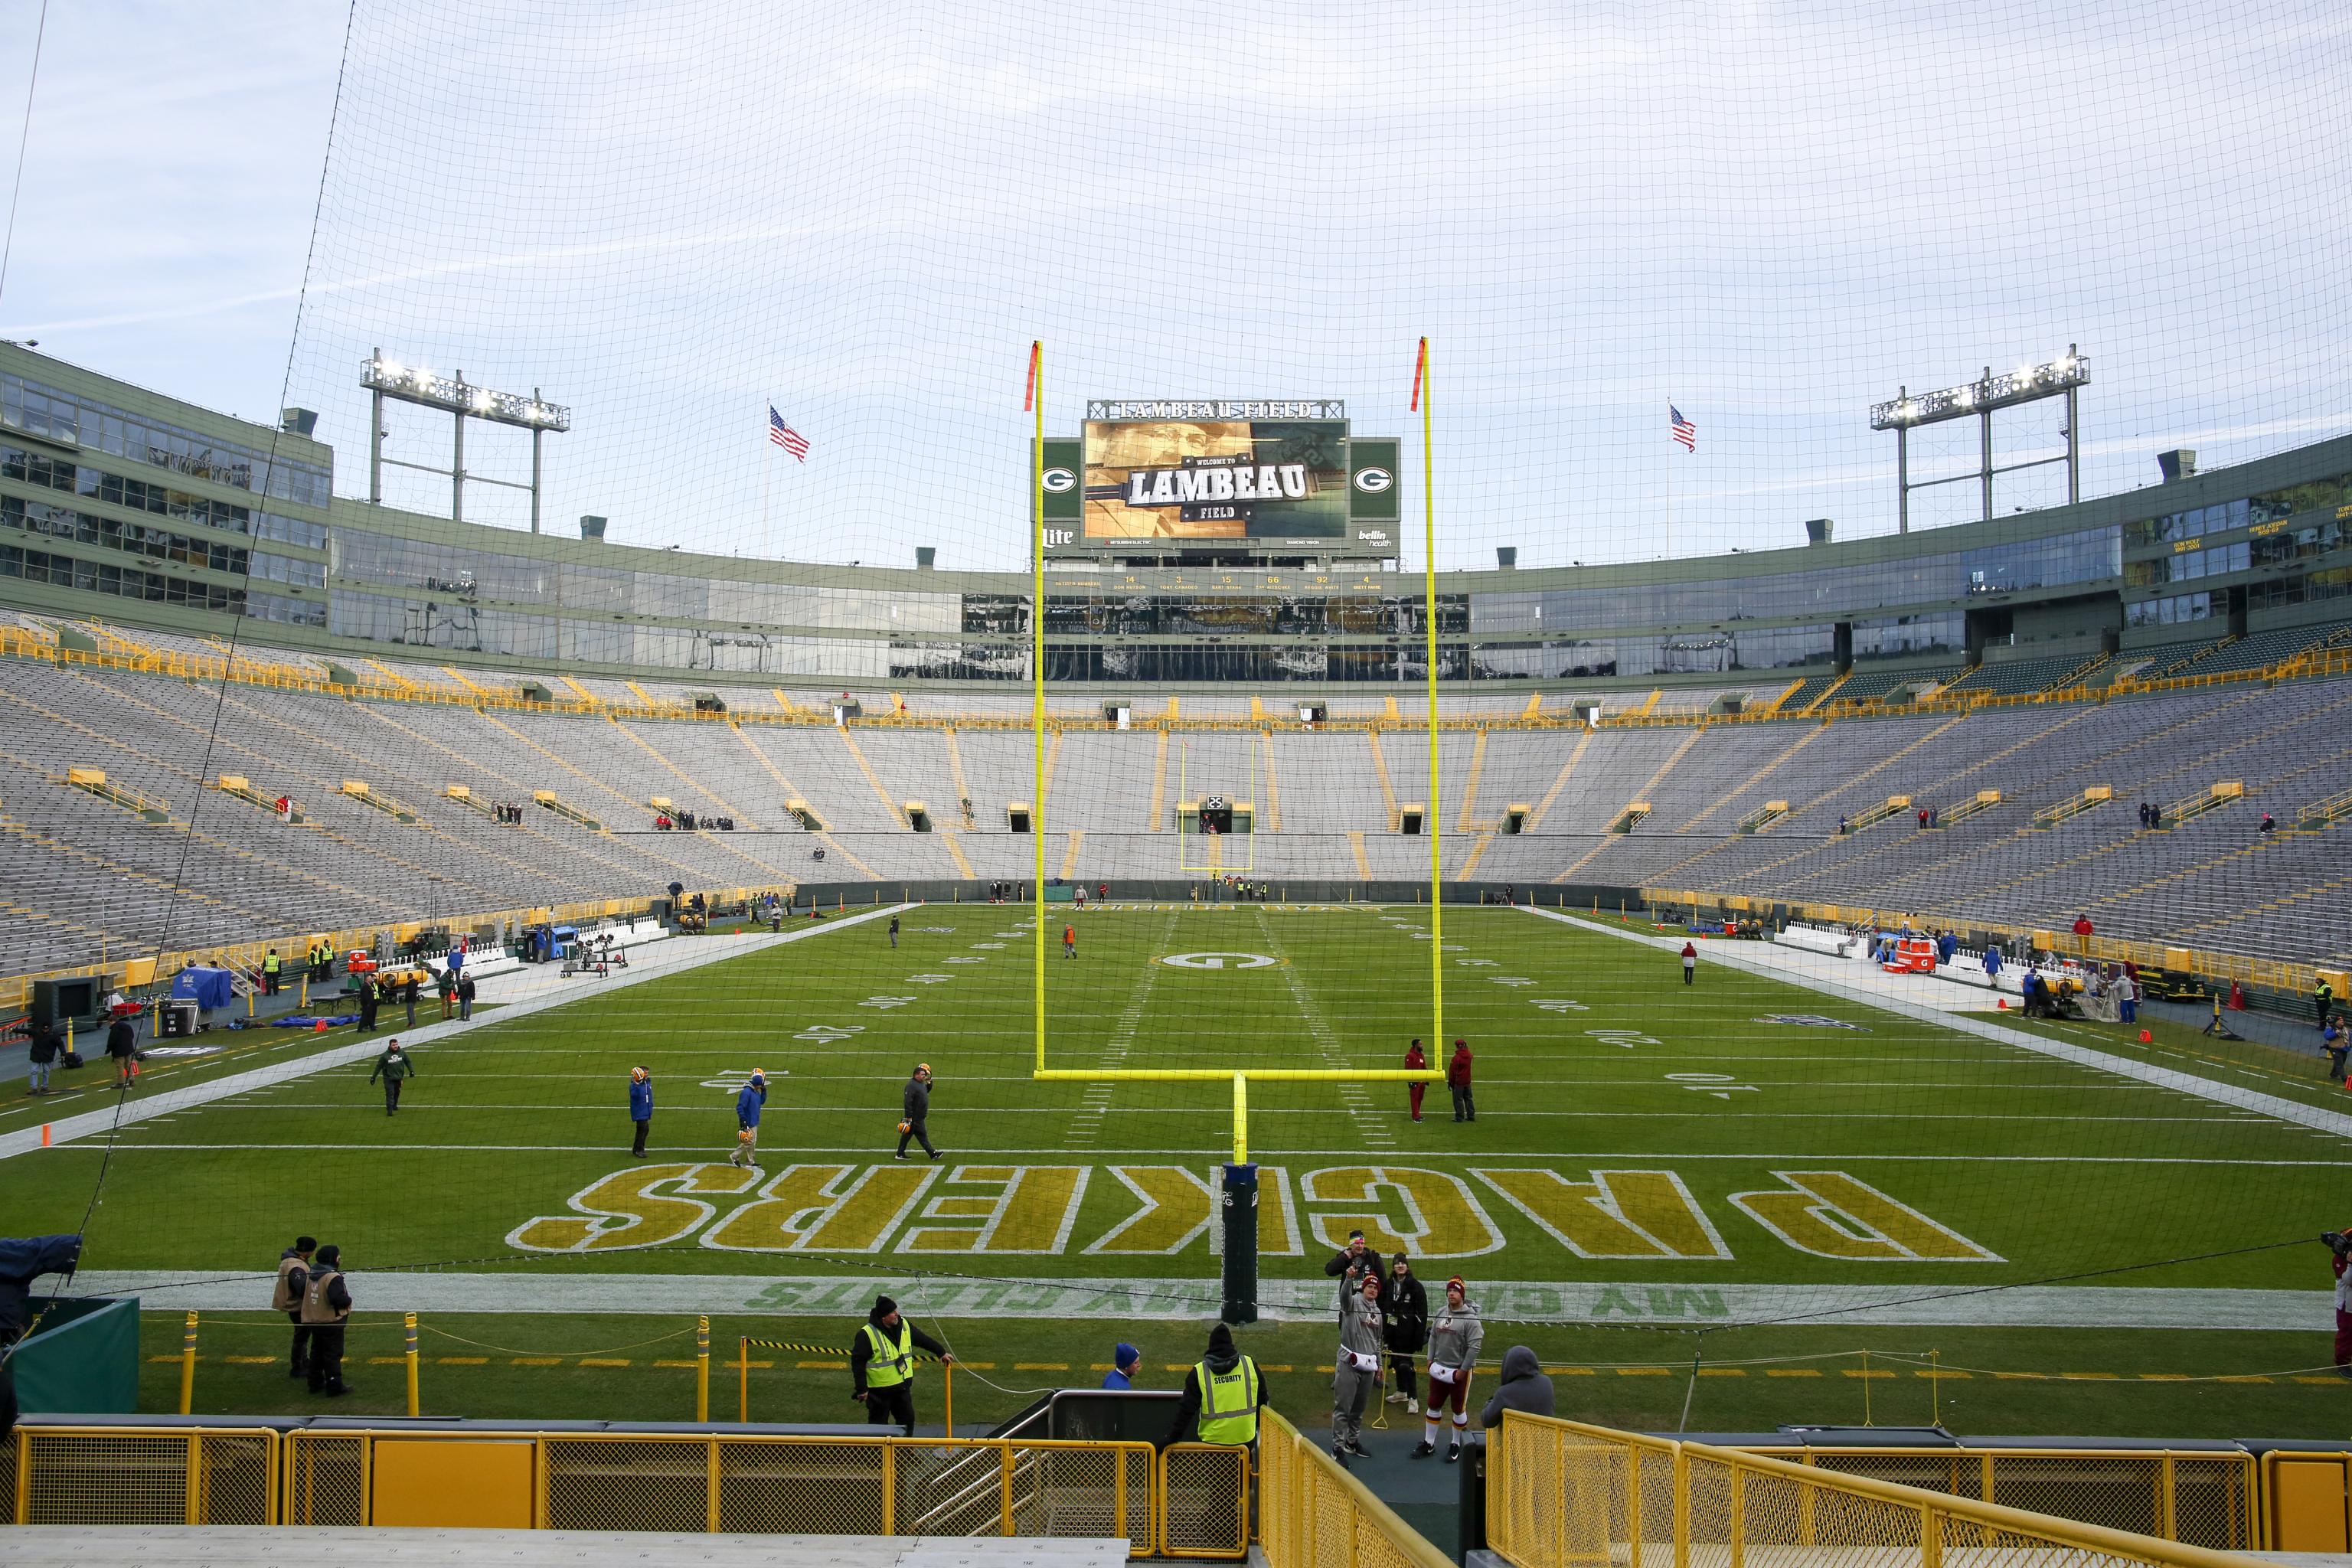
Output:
x,y
2146,1038
2000,1004
318,1025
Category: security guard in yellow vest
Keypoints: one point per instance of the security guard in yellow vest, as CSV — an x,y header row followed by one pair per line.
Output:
x,y
882,1365
326,1307
1223,1396
271,964
293,1279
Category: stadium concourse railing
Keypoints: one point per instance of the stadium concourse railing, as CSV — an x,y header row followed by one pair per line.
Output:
x,y
1191,1501
2263,974
1561,1494
134,972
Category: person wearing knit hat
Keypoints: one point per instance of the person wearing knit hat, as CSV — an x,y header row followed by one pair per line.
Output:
x,y
750,1101
1222,1394
1454,1338
1357,1369
882,1365
1126,1361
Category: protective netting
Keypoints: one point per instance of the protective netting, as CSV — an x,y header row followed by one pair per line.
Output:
x,y
784,267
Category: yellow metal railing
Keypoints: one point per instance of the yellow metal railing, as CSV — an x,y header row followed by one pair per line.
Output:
x,y
117,1475
2202,1497
1565,1495
1313,1514
705,1482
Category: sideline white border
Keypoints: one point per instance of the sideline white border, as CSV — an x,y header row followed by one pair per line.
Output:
x,y
1728,955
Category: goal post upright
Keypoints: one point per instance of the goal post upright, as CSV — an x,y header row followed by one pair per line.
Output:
x,y
1433,818
1035,402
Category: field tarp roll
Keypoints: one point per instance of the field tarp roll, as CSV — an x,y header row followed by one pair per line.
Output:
x,y
83,1360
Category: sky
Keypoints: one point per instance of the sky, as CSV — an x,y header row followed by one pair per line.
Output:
x,y
668,216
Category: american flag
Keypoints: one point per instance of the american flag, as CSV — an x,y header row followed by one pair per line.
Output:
x,y
1683,429
784,435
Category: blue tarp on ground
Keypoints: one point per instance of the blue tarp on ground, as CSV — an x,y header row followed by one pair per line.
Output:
x,y
207,988
304,1021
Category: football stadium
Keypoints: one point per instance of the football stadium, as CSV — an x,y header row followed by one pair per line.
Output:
x,y
1615,821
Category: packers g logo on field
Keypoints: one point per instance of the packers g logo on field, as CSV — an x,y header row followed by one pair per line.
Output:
x,y
1372,480
1218,961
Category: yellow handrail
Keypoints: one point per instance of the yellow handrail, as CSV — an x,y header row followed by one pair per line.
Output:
x,y
1312,1513
1561,1493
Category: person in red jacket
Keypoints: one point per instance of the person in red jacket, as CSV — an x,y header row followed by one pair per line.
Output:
x,y
1419,1062
1690,962
1457,1079
2082,930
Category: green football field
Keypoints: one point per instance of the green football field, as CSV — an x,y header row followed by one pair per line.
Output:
x,y
1740,1150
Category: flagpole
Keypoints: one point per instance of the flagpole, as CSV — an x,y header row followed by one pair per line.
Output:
x,y
1667,539
767,461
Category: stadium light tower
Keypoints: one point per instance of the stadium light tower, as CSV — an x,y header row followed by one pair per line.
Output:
x,y
463,401
2028,383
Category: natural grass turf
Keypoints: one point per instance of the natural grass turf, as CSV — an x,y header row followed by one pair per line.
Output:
x,y
1591,1057
2060,1382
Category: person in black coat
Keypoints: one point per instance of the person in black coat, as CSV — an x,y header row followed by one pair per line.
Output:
x,y
915,1105
122,1045
1405,1305
46,1045
1351,1264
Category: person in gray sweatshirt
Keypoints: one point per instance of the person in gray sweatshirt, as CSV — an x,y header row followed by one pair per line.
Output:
x,y
1524,1388
1357,1367
1455,1335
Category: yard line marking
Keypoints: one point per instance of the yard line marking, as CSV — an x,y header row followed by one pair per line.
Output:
x,y
1084,1126
1370,1127
706,951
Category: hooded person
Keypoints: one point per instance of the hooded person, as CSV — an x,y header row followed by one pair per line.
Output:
x,y
1455,1335
1222,1394
1457,1079
882,1365
1524,1388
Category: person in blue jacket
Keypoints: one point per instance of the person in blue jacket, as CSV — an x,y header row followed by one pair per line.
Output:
x,y
748,1105
641,1107
1126,1361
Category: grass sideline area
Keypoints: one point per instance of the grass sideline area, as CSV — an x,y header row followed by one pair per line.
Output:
x,y
2069,1381
1741,1150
